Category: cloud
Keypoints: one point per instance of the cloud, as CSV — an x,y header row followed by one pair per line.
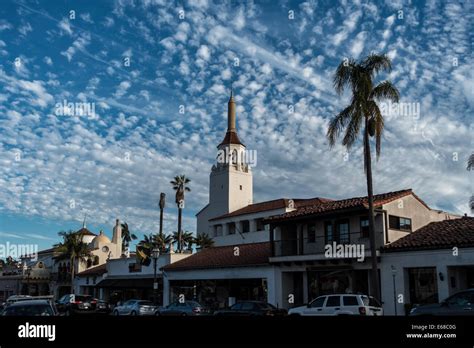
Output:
x,y
65,26
78,45
203,52
122,89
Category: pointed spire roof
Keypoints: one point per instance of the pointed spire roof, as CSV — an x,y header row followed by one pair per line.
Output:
x,y
231,136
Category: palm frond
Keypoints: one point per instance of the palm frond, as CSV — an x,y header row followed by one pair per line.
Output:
x,y
342,77
375,63
352,130
385,90
337,124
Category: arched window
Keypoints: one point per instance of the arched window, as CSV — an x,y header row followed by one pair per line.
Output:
x,y
235,157
89,263
96,260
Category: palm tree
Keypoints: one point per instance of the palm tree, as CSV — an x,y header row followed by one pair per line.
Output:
x,y
203,241
72,248
127,236
184,239
470,165
179,184
363,111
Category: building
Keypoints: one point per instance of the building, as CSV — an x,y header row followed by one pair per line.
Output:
x,y
428,265
276,250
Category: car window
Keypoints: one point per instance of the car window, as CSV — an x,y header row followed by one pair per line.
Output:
x,y
333,301
265,306
318,302
83,298
236,307
350,301
460,299
247,306
30,310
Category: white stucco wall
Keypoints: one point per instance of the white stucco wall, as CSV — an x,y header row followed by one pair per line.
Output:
x,y
441,259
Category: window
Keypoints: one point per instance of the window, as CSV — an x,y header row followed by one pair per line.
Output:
x,y
245,226
260,225
399,223
328,232
236,307
312,233
342,229
134,267
240,187
96,259
350,301
247,306
231,226
423,285
364,226
218,230
318,302
333,301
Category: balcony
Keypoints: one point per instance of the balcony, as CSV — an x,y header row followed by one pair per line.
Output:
x,y
316,246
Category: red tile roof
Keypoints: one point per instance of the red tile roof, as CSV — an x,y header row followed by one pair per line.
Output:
x,y
222,257
328,206
97,270
86,232
437,235
272,205
231,137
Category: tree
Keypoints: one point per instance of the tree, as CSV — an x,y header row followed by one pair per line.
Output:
x,y
127,236
179,184
363,111
72,248
185,239
203,241
470,166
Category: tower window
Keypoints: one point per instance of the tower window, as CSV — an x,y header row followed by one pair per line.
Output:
x,y
240,187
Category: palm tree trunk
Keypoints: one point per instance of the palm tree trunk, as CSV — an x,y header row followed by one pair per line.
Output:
x,y
373,249
72,274
161,222
179,229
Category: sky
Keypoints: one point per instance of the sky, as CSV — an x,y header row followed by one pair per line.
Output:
x,y
157,75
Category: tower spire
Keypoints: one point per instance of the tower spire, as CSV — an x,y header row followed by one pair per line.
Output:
x,y
231,112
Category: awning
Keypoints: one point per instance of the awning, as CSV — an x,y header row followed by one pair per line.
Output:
x,y
139,283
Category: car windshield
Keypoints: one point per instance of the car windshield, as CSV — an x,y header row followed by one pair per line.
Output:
x,y
83,298
29,310
263,305
145,303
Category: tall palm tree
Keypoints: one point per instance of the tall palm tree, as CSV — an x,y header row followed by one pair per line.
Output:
x,y
127,236
470,166
203,241
184,239
179,184
363,111
72,248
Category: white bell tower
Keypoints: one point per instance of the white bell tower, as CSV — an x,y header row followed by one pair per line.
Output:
x,y
231,184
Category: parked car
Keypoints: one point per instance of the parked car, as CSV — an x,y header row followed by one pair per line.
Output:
x,y
135,307
252,308
340,304
31,308
461,303
186,308
72,304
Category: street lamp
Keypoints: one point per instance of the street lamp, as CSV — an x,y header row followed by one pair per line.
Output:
x,y
394,274
155,254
